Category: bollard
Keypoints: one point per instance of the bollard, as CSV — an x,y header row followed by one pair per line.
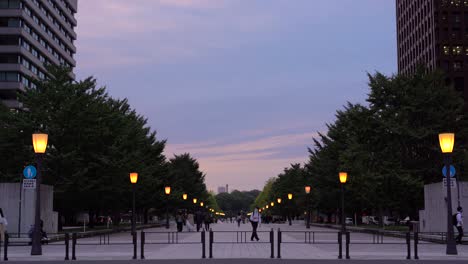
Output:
x,y
142,253
416,241
67,245
408,245
348,240
272,243
340,245
5,247
279,243
74,246
203,241
211,243
134,236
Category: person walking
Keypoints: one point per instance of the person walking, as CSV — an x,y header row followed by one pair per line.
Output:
x,y
179,221
189,223
3,225
459,224
207,221
199,219
255,220
238,219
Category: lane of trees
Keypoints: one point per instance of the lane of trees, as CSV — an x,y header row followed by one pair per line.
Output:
x,y
94,142
389,147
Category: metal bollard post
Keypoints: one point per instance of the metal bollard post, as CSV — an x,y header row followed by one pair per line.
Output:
x,y
74,246
142,253
348,240
134,237
416,241
408,245
211,243
67,245
203,241
279,242
340,245
272,243
5,247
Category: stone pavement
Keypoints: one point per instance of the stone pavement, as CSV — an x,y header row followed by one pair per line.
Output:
x,y
226,246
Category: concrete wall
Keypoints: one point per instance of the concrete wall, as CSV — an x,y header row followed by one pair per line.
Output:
x,y
434,216
10,203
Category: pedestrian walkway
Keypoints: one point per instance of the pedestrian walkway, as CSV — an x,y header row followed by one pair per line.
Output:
x,y
233,242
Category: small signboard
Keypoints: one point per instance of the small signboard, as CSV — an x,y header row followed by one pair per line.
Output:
x,y
453,183
29,184
29,172
452,171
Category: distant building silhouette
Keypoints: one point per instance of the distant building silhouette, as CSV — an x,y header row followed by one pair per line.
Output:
x,y
222,189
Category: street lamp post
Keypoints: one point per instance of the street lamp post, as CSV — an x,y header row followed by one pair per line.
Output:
x,y
278,200
40,145
290,196
133,180
343,178
446,141
307,190
167,190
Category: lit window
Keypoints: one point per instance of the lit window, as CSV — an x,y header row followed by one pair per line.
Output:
x,y
446,50
457,50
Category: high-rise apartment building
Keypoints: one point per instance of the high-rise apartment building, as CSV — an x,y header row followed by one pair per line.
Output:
x,y
33,33
434,33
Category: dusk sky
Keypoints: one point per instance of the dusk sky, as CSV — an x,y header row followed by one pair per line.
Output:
x,y
242,85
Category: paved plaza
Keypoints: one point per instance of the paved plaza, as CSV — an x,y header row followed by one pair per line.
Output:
x,y
237,245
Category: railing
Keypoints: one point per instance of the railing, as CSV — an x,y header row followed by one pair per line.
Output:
x,y
23,239
309,237
169,237
81,239
380,238
241,238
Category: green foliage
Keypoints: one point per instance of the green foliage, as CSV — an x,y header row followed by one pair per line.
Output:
x,y
236,201
94,142
389,148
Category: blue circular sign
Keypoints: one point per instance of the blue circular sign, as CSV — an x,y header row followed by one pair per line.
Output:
x,y
452,171
30,172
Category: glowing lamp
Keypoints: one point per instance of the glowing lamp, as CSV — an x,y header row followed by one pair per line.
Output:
x,y
307,189
446,141
290,196
133,177
39,143
167,190
343,177
194,200
201,203
278,200
184,196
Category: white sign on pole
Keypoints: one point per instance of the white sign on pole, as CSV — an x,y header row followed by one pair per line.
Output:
x,y
453,183
29,184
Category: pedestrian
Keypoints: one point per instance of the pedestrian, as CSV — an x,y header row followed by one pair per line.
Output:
x,y
207,221
199,219
3,225
255,220
238,219
179,221
459,224
189,223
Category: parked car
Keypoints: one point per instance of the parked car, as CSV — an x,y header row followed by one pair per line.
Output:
x,y
388,220
348,221
370,220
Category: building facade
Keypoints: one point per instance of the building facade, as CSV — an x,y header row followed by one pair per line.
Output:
x,y
434,33
33,33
